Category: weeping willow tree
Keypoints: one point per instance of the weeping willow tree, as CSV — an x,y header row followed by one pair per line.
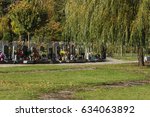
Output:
x,y
79,24
114,22
97,21
140,34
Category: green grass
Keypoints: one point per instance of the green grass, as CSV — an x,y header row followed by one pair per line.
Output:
x,y
117,93
30,82
129,57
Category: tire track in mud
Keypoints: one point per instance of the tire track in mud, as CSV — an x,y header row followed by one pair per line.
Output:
x,y
68,94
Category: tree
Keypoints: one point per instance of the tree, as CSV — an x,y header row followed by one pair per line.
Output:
x,y
59,9
141,29
115,22
26,16
5,29
4,4
50,32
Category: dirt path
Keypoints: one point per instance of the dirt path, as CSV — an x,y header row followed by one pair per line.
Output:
x,y
108,61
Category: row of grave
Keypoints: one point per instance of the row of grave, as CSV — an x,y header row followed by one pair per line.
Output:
x,y
54,52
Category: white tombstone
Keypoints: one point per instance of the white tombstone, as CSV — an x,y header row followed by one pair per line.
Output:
x,y
147,59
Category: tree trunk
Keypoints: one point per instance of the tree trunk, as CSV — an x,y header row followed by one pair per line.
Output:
x,y
140,56
103,51
28,40
20,37
121,50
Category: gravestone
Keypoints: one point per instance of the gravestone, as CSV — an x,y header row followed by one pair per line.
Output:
x,y
6,51
147,59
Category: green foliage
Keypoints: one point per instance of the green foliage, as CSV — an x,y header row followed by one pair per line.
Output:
x,y
107,20
4,24
7,36
5,29
59,9
141,25
116,22
26,17
4,5
92,22
50,32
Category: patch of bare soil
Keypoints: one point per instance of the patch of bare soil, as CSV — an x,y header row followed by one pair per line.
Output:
x,y
125,84
68,95
62,95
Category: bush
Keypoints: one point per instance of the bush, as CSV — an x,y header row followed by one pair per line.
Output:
x,y
7,36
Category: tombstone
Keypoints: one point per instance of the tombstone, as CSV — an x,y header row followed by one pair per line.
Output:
x,y
2,44
14,47
82,51
87,53
103,51
6,51
147,59
25,51
50,53
56,49
72,49
50,50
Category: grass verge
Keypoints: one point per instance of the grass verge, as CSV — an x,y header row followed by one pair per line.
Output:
x,y
30,82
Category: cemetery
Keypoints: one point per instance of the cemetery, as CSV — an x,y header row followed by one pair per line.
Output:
x,y
38,36
53,52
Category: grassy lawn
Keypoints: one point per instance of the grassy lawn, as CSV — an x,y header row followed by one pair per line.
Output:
x,y
117,93
129,57
86,81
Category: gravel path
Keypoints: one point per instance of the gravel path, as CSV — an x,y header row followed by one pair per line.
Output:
x,y
108,61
